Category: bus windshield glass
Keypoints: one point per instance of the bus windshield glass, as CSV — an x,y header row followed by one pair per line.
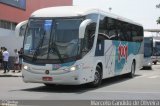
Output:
x,y
147,50
148,47
52,39
157,49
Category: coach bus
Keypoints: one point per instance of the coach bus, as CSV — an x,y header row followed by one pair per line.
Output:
x,y
148,51
156,51
71,45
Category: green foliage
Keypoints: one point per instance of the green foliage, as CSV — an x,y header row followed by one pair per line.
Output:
x,y
158,5
158,21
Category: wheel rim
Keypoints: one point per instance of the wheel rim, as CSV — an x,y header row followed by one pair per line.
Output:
x,y
96,77
133,69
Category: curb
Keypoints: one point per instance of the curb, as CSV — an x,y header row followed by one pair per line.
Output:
x,y
10,74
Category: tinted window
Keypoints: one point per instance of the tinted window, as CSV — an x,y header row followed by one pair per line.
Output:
x,y
137,33
108,28
119,30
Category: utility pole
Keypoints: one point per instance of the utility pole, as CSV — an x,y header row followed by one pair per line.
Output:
x,y
110,9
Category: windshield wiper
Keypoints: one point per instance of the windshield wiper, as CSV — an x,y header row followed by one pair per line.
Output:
x,y
37,49
55,49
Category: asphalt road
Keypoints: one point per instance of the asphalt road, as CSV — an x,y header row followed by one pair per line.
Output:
x,y
144,86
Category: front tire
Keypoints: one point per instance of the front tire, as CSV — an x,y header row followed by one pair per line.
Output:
x,y
132,73
97,77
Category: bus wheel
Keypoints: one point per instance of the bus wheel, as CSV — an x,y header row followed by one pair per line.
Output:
x,y
132,73
97,77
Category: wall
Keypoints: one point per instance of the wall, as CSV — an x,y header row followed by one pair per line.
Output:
x,y
14,14
10,41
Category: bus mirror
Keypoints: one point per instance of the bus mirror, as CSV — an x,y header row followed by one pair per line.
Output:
x,y
20,28
83,26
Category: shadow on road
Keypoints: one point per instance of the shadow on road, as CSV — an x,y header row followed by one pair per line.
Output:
x,y
116,80
78,88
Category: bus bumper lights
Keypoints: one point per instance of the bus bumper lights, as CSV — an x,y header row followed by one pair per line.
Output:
x,y
25,67
149,64
73,68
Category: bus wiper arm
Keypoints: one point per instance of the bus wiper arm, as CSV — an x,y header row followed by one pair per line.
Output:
x,y
54,47
37,49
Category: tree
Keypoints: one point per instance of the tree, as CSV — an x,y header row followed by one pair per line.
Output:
x,y
158,5
158,20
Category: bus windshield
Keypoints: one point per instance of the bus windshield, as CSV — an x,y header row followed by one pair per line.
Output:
x,y
52,39
157,49
148,47
147,50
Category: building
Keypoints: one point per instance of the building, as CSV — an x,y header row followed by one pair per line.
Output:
x,y
14,11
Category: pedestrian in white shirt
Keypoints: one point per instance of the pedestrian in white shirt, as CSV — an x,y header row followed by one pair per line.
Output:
x,y
5,59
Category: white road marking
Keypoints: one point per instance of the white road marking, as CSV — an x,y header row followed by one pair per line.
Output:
x,y
131,92
141,76
149,76
156,76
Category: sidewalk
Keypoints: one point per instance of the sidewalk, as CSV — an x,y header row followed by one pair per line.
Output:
x,y
10,74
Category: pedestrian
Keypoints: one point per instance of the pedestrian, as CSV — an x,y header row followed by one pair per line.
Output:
x,y
5,59
20,58
16,60
1,57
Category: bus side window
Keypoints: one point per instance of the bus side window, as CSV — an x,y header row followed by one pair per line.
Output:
x,y
137,33
112,29
124,31
102,37
113,35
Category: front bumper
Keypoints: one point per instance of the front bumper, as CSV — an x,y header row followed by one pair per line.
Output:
x,y
69,78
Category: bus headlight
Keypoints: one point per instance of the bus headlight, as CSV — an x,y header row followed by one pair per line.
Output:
x,y
76,67
25,67
149,64
73,68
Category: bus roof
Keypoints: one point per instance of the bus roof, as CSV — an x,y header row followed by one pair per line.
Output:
x,y
152,30
72,11
156,40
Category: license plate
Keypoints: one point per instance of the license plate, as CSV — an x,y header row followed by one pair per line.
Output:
x,y
47,78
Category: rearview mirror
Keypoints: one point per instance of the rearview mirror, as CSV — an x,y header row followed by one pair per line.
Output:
x,y
83,26
20,28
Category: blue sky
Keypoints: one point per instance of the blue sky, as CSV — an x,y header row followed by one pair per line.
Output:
x,y
141,11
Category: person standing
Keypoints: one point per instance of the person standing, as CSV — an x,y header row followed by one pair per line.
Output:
x,y
20,58
16,60
5,59
1,57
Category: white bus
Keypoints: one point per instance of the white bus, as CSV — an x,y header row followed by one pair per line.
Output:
x,y
148,51
71,46
156,51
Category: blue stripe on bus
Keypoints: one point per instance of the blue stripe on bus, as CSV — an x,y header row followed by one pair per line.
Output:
x,y
57,66
123,50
